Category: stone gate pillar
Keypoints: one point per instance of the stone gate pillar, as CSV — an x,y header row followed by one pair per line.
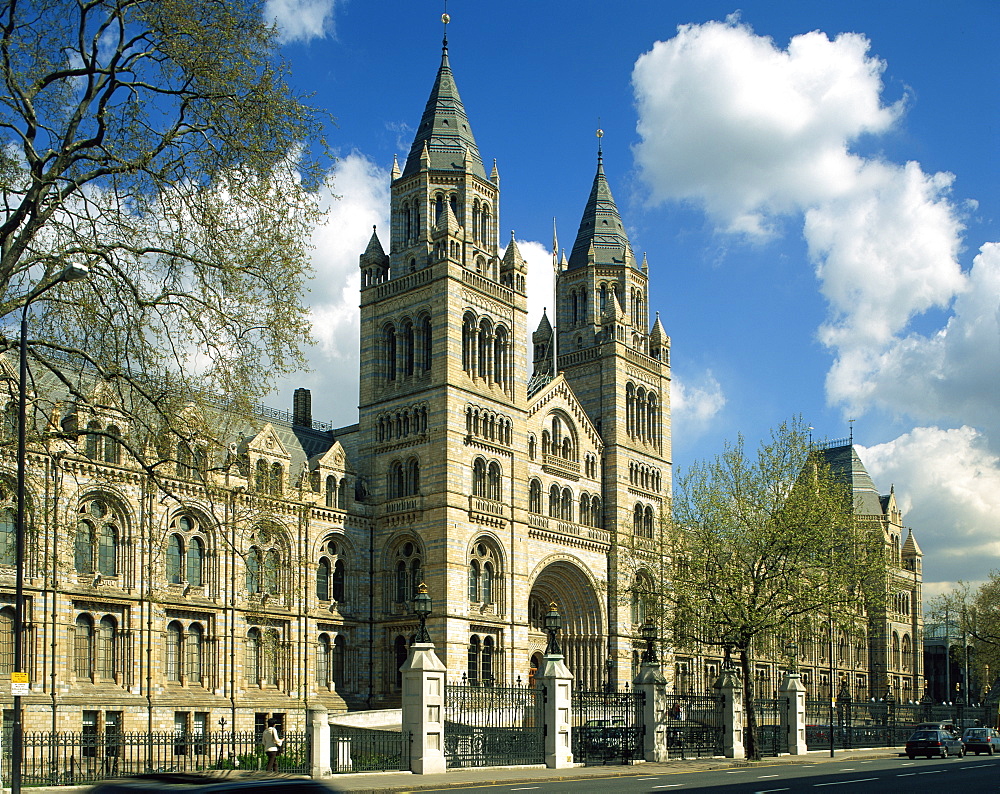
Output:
x,y
652,683
319,738
731,689
558,683
793,715
423,708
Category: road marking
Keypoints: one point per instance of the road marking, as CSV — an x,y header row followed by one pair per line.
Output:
x,y
907,774
769,790
847,769
647,778
526,788
935,772
672,785
845,782
735,771
761,777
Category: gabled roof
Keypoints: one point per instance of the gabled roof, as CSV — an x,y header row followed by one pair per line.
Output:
x,y
558,390
444,129
600,227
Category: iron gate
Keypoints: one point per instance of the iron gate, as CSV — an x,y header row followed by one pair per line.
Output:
x,y
607,726
368,750
695,725
489,725
772,735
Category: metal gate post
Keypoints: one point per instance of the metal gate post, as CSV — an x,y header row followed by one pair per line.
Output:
x,y
558,683
423,708
793,716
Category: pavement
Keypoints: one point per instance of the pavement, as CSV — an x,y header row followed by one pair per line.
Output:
x,y
392,782
387,782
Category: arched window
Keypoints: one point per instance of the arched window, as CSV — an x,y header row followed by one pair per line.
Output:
x,y
339,661
567,505
397,480
96,541
175,552
647,522
331,489
337,581
493,485
113,445
486,663
260,481
555,501
173,651
254,564
474,581
323,658
427,340
323,580
408,345
92,441
195,555
907,654
637,521
412,485
107,553
532,447
254,649
342,494
487,588
474,650
479,478
535,497
83,647
896,661
596,516
8,533
83,548
6,640
277,479
106,657
402,583
272,566
271,660
195,644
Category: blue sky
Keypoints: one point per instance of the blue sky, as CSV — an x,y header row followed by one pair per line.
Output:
x,y
814,185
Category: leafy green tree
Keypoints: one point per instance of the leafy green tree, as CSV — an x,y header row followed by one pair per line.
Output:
x,y
973,612
754,544
157,144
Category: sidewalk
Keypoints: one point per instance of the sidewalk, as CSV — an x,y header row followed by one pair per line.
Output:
x,y
386,782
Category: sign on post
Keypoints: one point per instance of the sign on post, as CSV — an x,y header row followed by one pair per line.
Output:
x,y
19,685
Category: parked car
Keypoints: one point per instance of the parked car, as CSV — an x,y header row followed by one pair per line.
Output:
x,y
938,726
936,742
192,783
981,740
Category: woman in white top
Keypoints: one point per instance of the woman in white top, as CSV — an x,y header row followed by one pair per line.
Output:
x,y
272,744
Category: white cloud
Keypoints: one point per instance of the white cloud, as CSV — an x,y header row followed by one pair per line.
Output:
x,y
949,492
540,282
300,20
695,403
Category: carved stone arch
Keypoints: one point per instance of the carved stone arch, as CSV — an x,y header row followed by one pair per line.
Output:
x,y
113,496
209,525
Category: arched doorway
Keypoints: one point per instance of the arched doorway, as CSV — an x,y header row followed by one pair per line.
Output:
x,y
582,637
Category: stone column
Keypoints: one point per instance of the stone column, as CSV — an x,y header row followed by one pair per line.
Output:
x,y
654,712
731,689
319,738
793,716
558,683
423,708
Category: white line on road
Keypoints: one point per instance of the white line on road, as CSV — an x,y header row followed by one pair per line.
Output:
x,y
526,788
672,785
907,774
761,777
735,771
769,790
647,778
845,782
935,772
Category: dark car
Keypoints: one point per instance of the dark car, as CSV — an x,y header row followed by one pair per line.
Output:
x,y
189,783
938,726
981,740
942,743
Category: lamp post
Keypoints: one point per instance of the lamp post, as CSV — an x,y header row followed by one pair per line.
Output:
x,y
609,668
69,273
648,632
422,608
553,622
792,652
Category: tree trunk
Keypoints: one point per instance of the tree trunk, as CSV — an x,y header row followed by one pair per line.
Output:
x,y
750,712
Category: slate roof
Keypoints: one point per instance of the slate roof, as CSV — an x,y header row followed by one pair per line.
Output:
x,y
445,130
843,461
601,226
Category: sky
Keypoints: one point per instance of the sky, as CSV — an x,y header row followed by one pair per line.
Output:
x,y
814,185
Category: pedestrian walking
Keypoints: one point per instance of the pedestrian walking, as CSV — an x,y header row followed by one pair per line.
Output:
x,y
272,742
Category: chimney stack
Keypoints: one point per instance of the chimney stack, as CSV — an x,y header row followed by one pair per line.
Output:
x,y
302,408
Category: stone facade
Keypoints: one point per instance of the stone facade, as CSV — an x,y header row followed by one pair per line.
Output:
x,y
277,575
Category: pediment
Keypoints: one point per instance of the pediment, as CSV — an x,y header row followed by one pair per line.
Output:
x,y
557,393
267,442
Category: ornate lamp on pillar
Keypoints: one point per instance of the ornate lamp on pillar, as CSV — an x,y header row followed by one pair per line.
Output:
x,y
422,608
553,622
648,632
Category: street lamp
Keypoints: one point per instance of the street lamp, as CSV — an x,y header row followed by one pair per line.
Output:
x,y
69,273
422,608
792,652
648,632
553,622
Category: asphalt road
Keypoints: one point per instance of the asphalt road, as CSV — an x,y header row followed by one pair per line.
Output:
x,y
883,776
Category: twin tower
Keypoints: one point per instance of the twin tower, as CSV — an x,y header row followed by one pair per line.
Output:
x,y
505,473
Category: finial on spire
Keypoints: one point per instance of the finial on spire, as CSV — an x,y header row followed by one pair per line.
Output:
x,y
851,422
600,134
445,19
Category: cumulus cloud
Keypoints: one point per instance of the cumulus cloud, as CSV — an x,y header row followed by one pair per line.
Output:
x,y
538,256
300,20
949,492
695,402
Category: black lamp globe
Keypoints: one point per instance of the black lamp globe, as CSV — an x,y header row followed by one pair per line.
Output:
x,y
422,608
553,622
648,633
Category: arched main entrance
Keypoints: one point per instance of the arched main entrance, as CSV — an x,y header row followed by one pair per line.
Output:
x,y
582,637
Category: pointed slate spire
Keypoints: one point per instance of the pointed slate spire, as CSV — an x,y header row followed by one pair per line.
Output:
x,y
910,547
374,255
394,174
494,174
544,330
601,227
512,259
444,129
657,334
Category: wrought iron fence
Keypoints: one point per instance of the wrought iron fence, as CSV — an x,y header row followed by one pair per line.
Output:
x,y
607,726
64,757
368,750
772,733
695,725
489,725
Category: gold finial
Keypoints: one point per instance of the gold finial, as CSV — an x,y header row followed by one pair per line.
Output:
x,y
446,18
421,588
552,606
600,133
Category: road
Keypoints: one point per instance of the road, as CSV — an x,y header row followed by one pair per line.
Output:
x,y
972,773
